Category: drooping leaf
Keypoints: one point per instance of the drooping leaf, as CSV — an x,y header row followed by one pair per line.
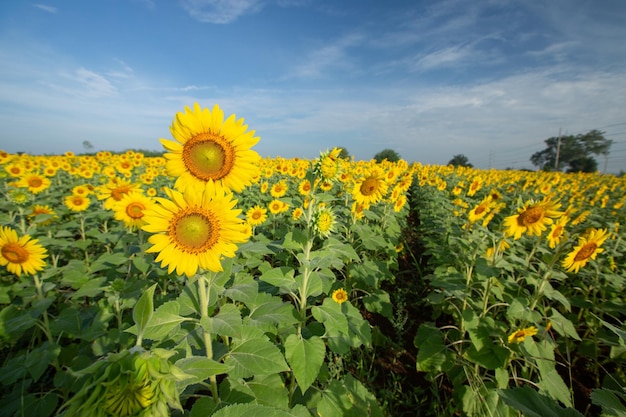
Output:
x,y
305,356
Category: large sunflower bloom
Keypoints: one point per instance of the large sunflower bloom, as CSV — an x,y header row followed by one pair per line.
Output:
x,y
194,230
588,248
371,188
20,255
211,149
533,218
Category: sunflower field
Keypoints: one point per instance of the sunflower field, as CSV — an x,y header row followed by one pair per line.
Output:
x,y
212,281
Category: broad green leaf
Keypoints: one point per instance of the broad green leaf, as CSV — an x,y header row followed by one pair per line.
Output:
x,y
295,240
359,329
200,368
268,390
163,321
282,277
609,401
141,264
256,356
91,288
378,301
258,410
305,356
348,398
533,404
432,354
313,284
227,322
143,310
38,359
562,325
67,323
556,295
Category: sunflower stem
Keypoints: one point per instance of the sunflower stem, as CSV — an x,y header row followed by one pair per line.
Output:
x,y
204,314
44,315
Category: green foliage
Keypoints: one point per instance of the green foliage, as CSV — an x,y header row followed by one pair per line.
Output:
x,y
460,160
387,154
572,152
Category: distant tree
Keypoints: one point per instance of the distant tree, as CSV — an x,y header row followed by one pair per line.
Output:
x,y
574,152
87,145
388,154
344,154
460,160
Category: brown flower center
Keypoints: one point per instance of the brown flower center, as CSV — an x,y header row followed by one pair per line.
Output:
x,y
530,216
585,252
35,182
14,253
135,210
369,186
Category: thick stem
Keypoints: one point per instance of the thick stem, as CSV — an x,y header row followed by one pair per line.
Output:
x,y
208,343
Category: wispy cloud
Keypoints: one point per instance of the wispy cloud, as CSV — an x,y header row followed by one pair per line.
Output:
x,y
220,11
334,55
46,8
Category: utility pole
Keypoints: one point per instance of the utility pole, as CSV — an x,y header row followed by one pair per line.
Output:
x,y
558,150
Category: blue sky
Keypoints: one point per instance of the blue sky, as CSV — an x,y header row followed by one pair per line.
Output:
x,y
491,79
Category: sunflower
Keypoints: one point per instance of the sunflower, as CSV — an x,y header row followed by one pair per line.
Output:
x,y
114,191
211,149
480,210
277,206
22,254
370,188
340,296
557,232
131,209
588,248
325,221
34,182
256,215
304,188
46,211
533,218
297,213
77,202
194,230
279,189
518,336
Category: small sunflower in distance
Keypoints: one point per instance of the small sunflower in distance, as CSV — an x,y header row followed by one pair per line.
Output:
x,y
20,254
131,209
256,215
340,296
588,248
194,230
208,148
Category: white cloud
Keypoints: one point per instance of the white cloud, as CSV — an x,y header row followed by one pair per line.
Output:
x,y
46,8
329,56
220,11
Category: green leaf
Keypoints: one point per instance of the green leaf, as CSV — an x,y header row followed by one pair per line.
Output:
x,y
163,321
227,322
432,354
257,356
268,390
141,264
91,288
295,240
200,368
38,359
562,325
533,404
313,285
282,277
556,295
348,398
257,410
143,310
305,356
609,401
378,301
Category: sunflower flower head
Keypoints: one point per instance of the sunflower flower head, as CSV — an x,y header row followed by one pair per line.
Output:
x,y
131,209
127,384
532,219
324,221
371,187
518,336
20,254
256,215
588,248
209,149
195,230
340,296
328,166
